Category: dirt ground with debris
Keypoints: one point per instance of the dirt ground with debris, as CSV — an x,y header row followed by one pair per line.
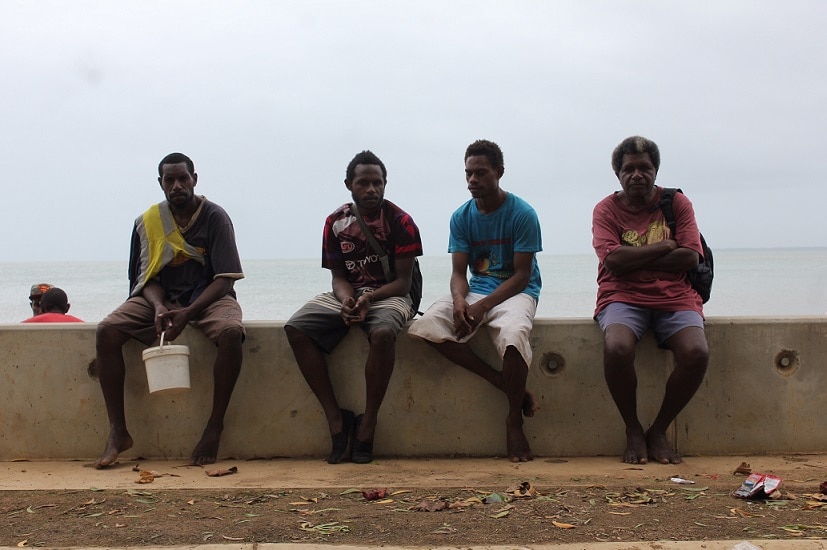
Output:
x,y
624,503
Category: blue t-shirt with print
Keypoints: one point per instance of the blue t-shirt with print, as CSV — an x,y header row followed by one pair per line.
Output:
x,y
490,240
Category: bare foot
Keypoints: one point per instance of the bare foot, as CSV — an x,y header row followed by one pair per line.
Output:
x,y
530,405
660,450
516,442
636,451
206,450
117,442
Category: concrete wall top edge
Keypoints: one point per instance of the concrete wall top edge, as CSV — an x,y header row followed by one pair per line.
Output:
x,y
817,319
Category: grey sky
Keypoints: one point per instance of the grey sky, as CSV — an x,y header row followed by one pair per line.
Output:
x,y
272,99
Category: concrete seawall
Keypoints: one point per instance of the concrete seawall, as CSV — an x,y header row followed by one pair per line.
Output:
x,y
763,393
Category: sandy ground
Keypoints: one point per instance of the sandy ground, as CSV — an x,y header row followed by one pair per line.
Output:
x,y
585,503
437,472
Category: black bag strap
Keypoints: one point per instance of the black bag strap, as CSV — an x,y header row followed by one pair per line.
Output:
x,y
374,244
665,204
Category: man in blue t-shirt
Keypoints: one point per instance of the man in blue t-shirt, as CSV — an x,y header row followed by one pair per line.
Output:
x,y
496,235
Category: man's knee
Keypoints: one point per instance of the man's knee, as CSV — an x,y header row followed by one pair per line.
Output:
x,y
514,359
231,338
295,337
693,356
109,338
690,348
382,337
618,350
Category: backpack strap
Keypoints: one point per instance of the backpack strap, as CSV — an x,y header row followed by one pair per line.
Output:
x,y
374,244
665,204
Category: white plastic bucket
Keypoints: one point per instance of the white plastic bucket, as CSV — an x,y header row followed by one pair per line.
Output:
x,y
167,368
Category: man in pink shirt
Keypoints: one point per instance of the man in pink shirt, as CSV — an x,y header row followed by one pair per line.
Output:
x,y
642,285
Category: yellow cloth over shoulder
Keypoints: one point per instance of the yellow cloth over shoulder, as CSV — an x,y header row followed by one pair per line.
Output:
x,y
161,242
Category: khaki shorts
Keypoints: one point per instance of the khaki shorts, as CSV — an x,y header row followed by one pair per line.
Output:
x,y
136,317
320,319
509,323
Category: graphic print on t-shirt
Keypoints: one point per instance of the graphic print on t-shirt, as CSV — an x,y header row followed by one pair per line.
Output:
x,y
657,232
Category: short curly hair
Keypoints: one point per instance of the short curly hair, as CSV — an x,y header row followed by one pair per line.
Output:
x,y
365,157
176,158
632,146
487,149
54,301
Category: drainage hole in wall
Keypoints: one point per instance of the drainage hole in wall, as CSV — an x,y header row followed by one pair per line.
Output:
x,y
552,364
787,362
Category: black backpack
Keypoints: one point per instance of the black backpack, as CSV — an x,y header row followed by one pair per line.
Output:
x,y
700,277
416,287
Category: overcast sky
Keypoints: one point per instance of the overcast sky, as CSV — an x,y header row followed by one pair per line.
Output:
x,y
271,99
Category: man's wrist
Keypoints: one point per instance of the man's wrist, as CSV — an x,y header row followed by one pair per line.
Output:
x,y
368,294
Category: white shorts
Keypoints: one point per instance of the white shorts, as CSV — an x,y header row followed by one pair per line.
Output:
x,y
509,323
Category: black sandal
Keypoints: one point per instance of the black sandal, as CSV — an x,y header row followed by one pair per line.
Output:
x,y
343,440
362,450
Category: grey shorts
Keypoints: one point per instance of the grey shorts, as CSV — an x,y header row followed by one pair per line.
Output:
x,y
664,324
321,319
136,317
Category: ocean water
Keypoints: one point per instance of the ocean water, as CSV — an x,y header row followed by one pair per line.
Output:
x,y
753,282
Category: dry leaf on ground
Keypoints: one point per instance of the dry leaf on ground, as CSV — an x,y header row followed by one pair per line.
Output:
x,y
430,506
222,472
375,494
561,525
523,490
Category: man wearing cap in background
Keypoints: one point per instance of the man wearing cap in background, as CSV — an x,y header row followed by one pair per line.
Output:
x,y
35,294
54,304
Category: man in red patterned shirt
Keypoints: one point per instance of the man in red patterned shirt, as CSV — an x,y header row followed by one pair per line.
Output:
x,y
362,296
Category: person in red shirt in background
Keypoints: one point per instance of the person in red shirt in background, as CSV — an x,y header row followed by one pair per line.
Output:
x,y
54,304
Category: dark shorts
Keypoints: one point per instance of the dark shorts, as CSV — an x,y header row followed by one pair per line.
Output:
x,y
321,319
136,317
664,324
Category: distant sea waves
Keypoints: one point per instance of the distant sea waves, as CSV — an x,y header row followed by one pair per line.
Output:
x,y
776,282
